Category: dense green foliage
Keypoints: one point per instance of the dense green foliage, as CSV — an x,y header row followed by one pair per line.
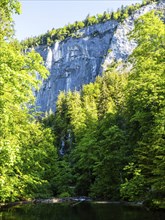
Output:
x,y
71,30
146,112
106,141
27,153
7,8
112,132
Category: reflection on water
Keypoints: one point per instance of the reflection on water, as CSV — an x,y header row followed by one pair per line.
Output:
x,y
81,211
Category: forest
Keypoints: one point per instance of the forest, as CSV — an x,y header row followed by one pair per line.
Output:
x,y
105,141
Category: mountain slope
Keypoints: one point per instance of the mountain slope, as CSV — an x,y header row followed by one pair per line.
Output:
x,y
77,60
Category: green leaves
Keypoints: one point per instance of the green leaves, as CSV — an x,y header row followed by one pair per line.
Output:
x,y
117,126
88,129
7,8
112,132
27,150
145,106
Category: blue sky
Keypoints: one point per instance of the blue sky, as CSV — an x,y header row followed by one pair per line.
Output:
x,y
38,16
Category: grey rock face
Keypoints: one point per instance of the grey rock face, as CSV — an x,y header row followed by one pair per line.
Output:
x,y
77,61
73,62
121,47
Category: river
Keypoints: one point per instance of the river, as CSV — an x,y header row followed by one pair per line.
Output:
x,y
81,211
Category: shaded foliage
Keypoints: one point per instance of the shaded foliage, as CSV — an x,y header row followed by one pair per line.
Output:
x,y
116,125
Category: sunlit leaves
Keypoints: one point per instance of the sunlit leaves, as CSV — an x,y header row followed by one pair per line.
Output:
x,y
7,8
25,147
145,107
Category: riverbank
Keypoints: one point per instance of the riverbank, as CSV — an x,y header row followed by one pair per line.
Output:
x,y
4,206
73,201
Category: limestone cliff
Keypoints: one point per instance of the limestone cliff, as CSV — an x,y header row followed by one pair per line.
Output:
x,y
78,60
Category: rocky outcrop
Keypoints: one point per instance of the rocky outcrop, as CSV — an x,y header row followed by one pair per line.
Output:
x,y
121,47
78,60
74,62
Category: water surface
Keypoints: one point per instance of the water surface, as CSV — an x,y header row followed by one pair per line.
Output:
x,y
81,211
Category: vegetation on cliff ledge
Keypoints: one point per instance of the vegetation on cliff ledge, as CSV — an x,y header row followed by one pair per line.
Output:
x,y
71,30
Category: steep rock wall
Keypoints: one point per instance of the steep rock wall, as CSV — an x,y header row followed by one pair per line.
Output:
x,y
121,47
74,62
77,61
